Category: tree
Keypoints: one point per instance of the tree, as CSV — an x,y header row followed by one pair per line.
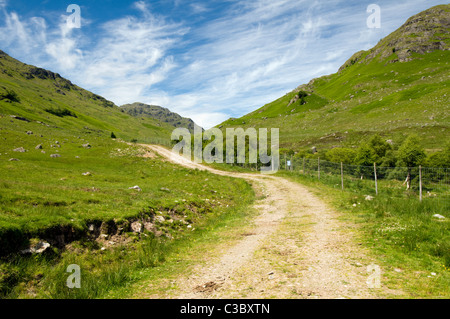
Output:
x,y
365,156
341,155
302,95
380,146
286,151
389,160
439,159
410,154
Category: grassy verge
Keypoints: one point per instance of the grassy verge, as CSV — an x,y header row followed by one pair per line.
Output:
x,y
199,247
409,244
40,195
114,272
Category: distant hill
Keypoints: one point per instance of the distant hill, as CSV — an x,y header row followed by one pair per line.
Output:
x,y
400,86
159,113
39,95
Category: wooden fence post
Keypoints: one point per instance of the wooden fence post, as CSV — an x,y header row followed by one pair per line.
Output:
x,y
376,180
318,167
342,175
420,182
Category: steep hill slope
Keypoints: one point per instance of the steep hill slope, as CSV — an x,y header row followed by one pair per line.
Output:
x,y
159,113
398,87
39,95
62,176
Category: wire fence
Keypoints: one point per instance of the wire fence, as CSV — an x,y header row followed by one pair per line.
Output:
x,y
421,181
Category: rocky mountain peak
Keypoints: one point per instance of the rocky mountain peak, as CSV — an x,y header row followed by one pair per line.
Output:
x,y
423,33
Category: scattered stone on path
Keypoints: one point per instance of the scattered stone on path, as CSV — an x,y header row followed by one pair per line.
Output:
x,y
55,155
369,198
20,150
136,188
14,160
30,133
87,146
87,174
39,147
438,216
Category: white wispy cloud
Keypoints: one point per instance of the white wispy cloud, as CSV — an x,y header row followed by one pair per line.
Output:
x,y
244,57
249,54
199,8
63,46
259,50
128,56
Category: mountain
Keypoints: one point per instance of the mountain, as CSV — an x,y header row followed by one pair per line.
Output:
x,y
400,86
41,96
159,113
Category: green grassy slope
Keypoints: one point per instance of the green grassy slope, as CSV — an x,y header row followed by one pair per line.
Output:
x,y
400,86
43,196
41,95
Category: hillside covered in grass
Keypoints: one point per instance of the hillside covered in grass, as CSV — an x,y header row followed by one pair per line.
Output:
x,y
75,189
41,96
399,87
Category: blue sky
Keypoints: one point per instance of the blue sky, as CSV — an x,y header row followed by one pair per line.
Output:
x,y
207,60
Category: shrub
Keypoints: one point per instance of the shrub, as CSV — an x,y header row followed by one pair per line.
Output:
x,y
302,95
10,95
379,145
410,154
341,154
61,112
439,159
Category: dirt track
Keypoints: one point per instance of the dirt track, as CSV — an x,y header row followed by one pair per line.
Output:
x,y
297,248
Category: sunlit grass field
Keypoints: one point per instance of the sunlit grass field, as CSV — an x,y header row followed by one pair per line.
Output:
x,y
42,195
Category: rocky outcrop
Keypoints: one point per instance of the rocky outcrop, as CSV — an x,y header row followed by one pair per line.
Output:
x,y
423,33
159,113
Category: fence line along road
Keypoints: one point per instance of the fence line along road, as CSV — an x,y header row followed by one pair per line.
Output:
x,y
425,181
